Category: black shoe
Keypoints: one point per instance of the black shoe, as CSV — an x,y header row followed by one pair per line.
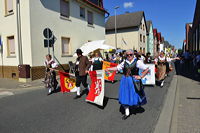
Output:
x,y
86,91
77,96
124,117
49,93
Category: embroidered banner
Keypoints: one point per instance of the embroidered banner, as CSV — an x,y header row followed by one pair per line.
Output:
x,y
96,94
109,75
67,82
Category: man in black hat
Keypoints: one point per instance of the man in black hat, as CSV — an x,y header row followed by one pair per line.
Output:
x,y
81,70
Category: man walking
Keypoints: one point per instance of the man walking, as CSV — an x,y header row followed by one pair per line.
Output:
x,y
81,71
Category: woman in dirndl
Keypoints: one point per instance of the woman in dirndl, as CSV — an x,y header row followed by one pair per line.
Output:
x,y
131,91
160,62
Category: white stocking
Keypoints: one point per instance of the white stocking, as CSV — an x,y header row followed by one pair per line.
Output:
x,y
127,112
78,91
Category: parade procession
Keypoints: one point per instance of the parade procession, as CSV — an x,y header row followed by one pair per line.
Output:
x,y
99,66
136,69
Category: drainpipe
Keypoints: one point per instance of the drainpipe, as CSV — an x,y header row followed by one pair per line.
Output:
x,y
18,14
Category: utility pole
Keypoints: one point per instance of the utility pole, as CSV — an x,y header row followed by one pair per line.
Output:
x,y
116,25
19,36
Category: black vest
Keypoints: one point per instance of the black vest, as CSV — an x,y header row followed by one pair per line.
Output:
x,y
130,69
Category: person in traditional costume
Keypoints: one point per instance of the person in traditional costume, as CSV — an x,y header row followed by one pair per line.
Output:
x,y
81,70
50,66
160,63
148,58
131,91
97,62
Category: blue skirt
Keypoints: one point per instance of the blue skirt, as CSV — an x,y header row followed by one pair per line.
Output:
x,y
128,95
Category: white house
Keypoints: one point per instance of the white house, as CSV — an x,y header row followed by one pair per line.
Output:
x,y
73,22
131,31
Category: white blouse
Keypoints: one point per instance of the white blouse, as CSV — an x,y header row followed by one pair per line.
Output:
x,y
160,58
97,58
51,62
139,65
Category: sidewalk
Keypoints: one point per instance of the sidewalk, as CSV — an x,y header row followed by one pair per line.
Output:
x,y
10,87
14,84
181,110
186,115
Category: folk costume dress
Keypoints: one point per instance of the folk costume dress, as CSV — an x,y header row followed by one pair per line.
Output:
x,y
97,63
131,91
161,68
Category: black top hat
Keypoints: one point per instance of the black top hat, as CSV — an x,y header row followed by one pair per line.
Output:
x,y
79,51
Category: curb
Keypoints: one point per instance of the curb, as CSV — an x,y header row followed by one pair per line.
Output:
x,y
164,121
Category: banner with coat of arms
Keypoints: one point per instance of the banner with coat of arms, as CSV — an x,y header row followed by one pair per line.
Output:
x,y
96,94
67,82
109,75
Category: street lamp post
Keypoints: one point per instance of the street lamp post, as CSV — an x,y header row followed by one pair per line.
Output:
x,y
116,25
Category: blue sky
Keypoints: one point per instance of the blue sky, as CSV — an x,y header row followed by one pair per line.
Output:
x,y
168,16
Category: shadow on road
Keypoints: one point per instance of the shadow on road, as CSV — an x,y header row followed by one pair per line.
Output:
x,y
133,110
105,102
193,98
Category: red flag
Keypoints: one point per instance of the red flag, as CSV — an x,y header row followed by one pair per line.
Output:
x,y
67,82
96,94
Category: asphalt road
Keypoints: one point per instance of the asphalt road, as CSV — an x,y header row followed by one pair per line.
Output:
x,y
35,112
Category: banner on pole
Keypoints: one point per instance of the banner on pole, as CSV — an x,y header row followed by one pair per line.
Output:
x,y
149,79
96,94
67,82
109,75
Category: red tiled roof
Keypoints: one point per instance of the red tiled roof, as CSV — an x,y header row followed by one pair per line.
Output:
x,y
155,32
159,36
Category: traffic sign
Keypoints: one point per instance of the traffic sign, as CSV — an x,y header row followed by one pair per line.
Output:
x,y
47,33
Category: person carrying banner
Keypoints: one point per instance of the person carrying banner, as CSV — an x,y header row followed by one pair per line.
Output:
x,y
131,91
97,62
81,71
50,74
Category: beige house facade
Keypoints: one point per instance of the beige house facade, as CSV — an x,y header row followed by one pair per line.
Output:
x,y
131,35
73,23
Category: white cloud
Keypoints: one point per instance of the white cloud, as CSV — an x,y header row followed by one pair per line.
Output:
x,y
128,4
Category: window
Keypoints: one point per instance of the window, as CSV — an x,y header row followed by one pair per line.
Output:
x,y
140,49
82,12
143,39
65,46
11,46
90,18
143,27
64,8
143,50
8,7
140,37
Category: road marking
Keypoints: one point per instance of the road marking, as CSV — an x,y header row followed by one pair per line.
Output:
x,y
6,93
